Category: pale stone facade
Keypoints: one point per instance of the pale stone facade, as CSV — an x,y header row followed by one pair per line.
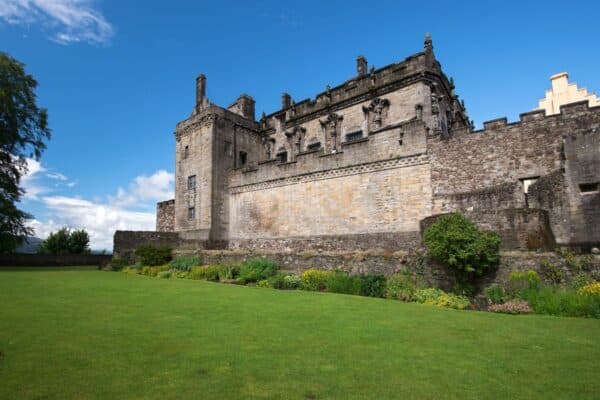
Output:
x,y
563,92
365,163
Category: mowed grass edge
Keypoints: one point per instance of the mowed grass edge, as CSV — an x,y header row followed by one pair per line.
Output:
x,y
86,334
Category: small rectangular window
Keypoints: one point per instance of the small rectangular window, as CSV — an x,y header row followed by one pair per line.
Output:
x,y
588,187
192,182
228,149
243,157
314,146
282,156
351,137
528,182
186,151
191,213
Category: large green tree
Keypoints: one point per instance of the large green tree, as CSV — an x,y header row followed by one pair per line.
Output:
x,y
65,241
23,131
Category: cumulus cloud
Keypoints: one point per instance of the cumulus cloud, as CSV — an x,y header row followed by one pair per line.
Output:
x,y
68,21
144,189
131,209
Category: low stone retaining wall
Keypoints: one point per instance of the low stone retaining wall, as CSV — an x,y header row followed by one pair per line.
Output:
x,y
49,260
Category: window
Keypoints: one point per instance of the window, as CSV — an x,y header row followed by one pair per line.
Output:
x,y
186,151
191,213
243,157
401,141
192,182
314,146
588,187
528,182
351,137
282,156
228,149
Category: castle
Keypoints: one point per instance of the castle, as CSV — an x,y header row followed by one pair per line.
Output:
x,y
368,163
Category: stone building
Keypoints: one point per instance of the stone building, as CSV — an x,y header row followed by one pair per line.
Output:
x,y
366,164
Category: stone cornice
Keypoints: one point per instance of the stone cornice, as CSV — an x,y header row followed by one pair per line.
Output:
x,y
381,165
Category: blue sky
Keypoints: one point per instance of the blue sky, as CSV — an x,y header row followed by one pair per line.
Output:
x,y
116,76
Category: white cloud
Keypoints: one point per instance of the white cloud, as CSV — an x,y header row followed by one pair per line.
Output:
x,y
101,218
68,21
33,181
57,176
143,189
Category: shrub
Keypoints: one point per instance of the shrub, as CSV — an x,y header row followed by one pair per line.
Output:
x,y
228,272
591,290
459,244
552,272
580,280
556,301
185,263
292,282
439,298
257,269
150,254
494,294
511,307
130,270
206,273
117,263
341,282
263,284
164,274
428,295
372,285
521,282
401,287
153,271
315,279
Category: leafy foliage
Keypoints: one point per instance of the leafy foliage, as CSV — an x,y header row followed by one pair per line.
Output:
x,y
372,285
257,269
206,273
439,298
494,294
552,272
185,263
23,130
520,282
117,263
401,287
459,244
341,282
151,254
315,279
65,241
512,307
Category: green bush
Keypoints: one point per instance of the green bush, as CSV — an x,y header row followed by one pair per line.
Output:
x,y
228,272
257,269
520,283
185,263
401,287
439,298
292,282
494,294
580,280
153,271
151,255
131,270
557,301
117,263
373,285
552,272
458,243
341,282
315,279
264,283
164,274
205,273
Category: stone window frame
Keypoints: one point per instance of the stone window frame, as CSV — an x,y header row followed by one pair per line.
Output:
x,y
242,158
191,213
354,136
191,182
186,151
589,188
314,146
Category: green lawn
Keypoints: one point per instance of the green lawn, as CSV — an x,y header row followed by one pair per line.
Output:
x,y
86,334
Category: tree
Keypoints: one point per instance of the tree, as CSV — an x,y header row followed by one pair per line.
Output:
x,y
23,130
66,242
458,243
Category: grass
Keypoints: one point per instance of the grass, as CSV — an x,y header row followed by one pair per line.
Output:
x,y
82,334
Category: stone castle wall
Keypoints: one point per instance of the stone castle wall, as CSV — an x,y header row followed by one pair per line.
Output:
x,y
165,216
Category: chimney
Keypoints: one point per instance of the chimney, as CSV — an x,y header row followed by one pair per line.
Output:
x,y
286,101
200,90
361,66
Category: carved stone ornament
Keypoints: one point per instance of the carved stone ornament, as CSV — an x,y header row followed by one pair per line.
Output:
x,y
376,109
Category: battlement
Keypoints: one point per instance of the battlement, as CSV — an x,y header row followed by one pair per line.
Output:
x,y
539,116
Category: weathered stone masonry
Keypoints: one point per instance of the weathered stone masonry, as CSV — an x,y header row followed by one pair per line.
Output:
x,y
365,164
